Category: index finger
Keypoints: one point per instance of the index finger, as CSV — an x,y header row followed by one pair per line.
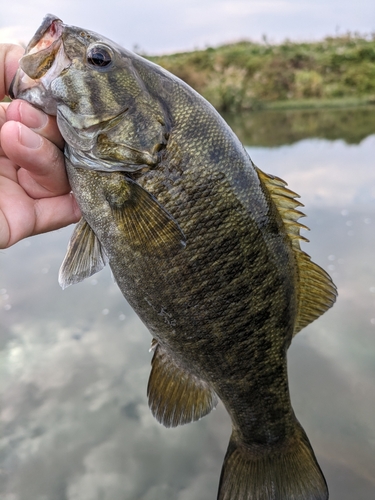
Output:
x,y
43,124
9,56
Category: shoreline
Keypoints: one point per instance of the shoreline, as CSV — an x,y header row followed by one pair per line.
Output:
x,y
311,104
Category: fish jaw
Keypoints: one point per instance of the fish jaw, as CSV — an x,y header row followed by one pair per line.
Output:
x,y
60,74
49,31
44,60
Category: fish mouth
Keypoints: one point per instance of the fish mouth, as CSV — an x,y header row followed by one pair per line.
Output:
x,y
44,58
50,30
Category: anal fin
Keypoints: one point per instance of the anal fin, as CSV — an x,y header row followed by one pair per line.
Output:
x,y
175,395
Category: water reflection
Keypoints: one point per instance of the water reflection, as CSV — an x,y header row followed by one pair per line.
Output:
x,y
74,364
275,128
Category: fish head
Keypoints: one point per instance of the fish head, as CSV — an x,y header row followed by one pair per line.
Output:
x,y
72,69
92,86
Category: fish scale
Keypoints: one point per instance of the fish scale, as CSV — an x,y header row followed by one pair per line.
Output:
x,y
203,245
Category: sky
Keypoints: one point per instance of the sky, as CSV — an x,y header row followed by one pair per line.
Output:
x,y
168,25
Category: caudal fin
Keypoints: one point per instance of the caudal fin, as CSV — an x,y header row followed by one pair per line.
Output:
x,y
291,473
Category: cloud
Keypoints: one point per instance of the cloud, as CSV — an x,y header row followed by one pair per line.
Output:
x,y
240,9
321,171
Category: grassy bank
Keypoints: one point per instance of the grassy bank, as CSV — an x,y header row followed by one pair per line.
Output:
x,y
335,72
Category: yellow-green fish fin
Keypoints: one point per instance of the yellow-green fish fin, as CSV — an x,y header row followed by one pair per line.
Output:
x,y
316,291
286,471
148,227
84,256
175,395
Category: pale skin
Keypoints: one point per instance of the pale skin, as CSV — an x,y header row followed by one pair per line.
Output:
x,y
34,190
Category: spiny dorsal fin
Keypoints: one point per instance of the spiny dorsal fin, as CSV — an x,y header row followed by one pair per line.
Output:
x,y
175,395
316,292
84,256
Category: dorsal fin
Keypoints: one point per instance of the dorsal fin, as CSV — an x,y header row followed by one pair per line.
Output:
x,y
316,292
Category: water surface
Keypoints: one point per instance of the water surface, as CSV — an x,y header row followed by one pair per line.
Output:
x,y
74,364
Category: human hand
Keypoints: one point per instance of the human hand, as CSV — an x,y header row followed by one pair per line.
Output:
x,y
34,189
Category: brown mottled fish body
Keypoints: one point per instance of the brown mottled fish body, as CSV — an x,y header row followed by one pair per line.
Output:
x,y
202,244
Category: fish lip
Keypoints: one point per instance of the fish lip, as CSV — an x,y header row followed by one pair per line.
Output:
x,y
49,21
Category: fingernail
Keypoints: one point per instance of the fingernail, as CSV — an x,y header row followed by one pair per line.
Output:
x,y
32,117
28,138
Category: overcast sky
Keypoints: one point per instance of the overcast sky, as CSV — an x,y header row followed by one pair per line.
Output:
x,y
170,25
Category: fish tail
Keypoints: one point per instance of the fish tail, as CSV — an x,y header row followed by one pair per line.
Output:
x,y
290,472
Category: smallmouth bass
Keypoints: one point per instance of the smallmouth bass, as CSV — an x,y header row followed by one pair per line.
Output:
x,y
203,245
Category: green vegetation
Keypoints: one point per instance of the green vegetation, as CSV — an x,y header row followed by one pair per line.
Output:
x,y
337,71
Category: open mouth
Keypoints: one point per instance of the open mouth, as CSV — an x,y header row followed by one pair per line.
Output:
x,y
44,58
50,30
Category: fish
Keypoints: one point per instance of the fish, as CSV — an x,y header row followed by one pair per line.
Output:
x,y
204,246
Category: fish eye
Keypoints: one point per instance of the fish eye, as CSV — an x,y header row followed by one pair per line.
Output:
x,y
99,57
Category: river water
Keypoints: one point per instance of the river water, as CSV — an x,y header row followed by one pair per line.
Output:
x,y
74,364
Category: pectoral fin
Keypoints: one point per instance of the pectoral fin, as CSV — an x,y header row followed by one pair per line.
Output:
x,y
175,395
84,256
147,225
